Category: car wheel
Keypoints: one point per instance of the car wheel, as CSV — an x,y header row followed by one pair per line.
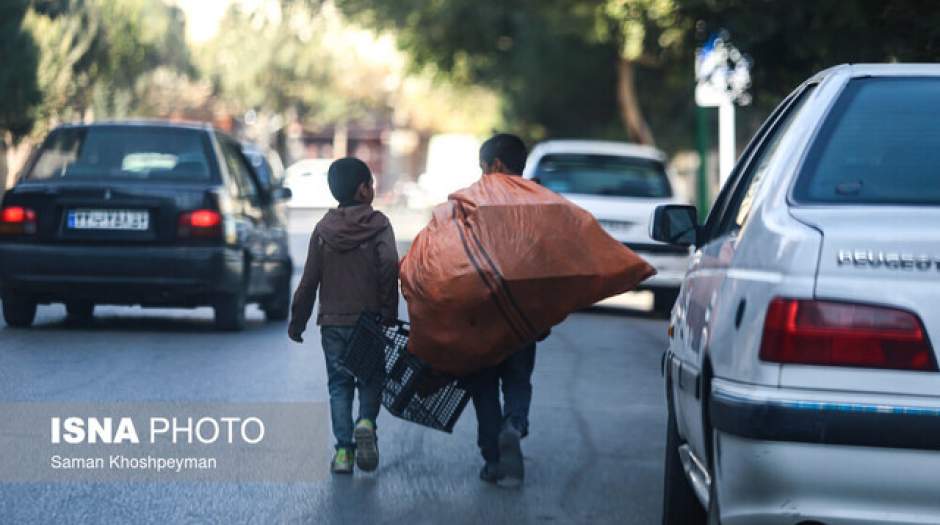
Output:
x,y
277,307
80,310
680,505
230,312
18,311
663,301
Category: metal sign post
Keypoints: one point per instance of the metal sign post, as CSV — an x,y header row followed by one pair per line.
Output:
x,y
723,76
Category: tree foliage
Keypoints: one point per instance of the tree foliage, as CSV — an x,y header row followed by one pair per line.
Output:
x,y
305,60
790,41
507,46
94,54
563,67
18,83
279,62
595,68
572,67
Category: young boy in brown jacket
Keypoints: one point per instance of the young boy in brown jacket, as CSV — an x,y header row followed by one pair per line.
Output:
x,y
353,260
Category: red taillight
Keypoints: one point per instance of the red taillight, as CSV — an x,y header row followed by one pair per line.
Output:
x,y
204,219
843,334
17,220
200,224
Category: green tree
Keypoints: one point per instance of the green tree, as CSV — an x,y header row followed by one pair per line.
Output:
x,y
258,63
140,36
67,59
564,67
93,54
790,41
69,40
18,83
306,60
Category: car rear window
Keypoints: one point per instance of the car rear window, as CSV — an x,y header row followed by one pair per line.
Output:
x,y
880,145
127,152
608,175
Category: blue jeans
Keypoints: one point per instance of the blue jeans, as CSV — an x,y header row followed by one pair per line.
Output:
x,y
342,387
514,375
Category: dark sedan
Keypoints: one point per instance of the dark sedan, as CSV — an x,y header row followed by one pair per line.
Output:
x,y
152,214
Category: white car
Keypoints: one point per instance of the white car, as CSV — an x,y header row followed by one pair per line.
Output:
x,y
801,371
308,184
453,163
620,184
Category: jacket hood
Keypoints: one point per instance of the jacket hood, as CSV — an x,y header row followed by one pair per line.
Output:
x,y
344,229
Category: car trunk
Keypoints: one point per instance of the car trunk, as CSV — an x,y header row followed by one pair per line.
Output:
x,y
886,256
104,212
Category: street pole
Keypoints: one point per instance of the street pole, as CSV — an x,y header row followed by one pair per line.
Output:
x,y
725,139
701,136
722,77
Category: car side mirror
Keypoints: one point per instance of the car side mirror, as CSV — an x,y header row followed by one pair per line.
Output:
x,y
675,224
281,193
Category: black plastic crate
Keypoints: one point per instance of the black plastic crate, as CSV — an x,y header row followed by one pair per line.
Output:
x,y
365,353
375,351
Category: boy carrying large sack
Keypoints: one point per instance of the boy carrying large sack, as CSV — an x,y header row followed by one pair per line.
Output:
x,y
499,264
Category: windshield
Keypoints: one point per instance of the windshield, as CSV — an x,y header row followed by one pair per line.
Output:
x,y
124,152
261,167
607,175
880,146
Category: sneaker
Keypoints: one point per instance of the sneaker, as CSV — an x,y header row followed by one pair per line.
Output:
x,y
510,457
342,462
367,446
490,472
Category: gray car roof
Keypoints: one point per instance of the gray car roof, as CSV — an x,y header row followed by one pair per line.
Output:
x,y
204,126
878,70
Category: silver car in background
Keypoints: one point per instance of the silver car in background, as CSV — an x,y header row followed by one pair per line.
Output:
x,y
620,184
801,371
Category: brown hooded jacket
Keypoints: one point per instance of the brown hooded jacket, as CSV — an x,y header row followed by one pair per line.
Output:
x,y
353,260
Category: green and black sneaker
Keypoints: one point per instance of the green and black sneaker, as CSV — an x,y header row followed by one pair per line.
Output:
x,y
342,462
367,446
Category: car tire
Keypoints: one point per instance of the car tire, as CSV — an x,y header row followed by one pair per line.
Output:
x,y
277,307
19,311
664,300
680,505
80,310
230,312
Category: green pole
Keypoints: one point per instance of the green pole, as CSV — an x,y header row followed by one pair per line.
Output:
x,y
701,139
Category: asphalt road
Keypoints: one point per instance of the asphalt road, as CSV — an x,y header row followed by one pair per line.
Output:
x,y
594,454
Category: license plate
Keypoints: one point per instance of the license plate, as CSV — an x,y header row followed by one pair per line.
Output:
x,y
86,219
614,227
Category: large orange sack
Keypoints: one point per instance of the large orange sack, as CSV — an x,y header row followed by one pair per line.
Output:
x,y
500,263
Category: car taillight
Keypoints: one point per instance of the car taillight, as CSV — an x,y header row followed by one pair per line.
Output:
x,y
844,334
200,224
17,220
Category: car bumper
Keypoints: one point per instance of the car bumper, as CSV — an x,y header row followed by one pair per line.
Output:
x,y
789,455
148,275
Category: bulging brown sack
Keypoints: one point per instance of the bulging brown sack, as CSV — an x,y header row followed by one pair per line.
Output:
x,y
500,263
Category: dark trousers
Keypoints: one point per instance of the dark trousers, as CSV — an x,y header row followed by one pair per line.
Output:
x,y
514,376
343,387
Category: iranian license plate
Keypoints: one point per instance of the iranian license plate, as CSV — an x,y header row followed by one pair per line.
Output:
x,y
89,219
614,227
